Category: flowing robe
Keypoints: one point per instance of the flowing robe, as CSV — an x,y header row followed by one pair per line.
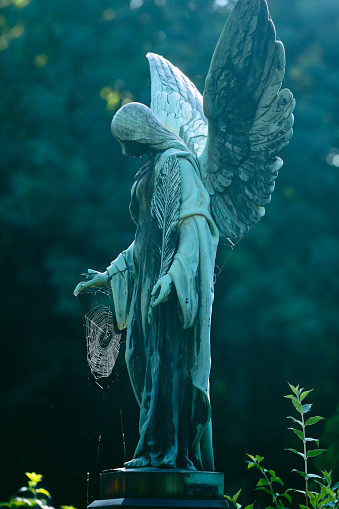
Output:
x,y
168,355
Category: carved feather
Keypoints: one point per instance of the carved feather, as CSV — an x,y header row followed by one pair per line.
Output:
x,y
249,118
165,210
177,103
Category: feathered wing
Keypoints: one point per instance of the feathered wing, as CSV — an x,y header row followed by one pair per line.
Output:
x,y
177,103
249,118
165,211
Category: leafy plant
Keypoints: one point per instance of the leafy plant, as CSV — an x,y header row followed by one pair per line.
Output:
x,y
35,497
324,494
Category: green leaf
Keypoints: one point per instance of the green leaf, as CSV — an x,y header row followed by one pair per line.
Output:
x,y
295,420
36,478
303,506
276,479
299,434
313,420
259,458
297,405
44,492
250,464
303,474
313,476
251,457
262,488
315,452
304,394
235,497
316,440
294,389
262,482
296,452
336,486
286,496
306,408
249,506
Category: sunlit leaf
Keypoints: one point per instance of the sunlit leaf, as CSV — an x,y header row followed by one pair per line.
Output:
x,y
300,472
304,394
286,495
315,452
298,406
262,482
313,420
294,389
299,433
296,452
44,492
276,479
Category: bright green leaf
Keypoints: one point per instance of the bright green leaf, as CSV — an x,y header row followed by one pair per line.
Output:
x,y
44,492
259,458
296,452
303,474
313,420
304,394
299,434
251,457
294,389
286,496
276,479
315,452
297,405
262,482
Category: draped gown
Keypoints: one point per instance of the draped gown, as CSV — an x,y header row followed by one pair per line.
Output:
x,y
168,348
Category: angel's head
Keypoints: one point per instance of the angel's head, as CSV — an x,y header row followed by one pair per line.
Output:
x,y
138,130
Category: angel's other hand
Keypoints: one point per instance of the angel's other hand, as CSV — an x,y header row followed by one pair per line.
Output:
x,y
162,290
94,279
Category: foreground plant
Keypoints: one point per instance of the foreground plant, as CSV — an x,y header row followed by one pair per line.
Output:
x,y
324,495
33,496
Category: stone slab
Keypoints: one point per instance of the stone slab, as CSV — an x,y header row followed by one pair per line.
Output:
x,y
158,503
152,483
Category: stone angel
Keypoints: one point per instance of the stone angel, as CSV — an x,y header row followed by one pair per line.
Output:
x,y
212,165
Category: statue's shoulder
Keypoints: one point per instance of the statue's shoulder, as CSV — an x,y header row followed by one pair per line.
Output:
x,y
185,158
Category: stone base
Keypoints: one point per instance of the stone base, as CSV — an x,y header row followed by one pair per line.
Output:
x,y
155,488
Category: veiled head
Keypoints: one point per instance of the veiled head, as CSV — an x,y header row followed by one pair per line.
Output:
x,y
136,122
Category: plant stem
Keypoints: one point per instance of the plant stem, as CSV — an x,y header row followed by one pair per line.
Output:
x,y
305,459
272,492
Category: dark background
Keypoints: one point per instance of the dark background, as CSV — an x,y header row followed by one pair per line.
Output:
x,y
66,66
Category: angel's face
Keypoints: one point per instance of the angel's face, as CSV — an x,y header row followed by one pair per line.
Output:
x,y
133,148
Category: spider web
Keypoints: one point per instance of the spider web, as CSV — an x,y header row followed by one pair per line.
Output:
x,y
102,340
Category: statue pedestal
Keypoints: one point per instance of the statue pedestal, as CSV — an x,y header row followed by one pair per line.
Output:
x,y
155,488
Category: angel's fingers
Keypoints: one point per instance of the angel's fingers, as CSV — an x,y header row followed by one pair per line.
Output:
x,y
156,288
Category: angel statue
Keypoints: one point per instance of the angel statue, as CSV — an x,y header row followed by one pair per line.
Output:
x,y
211,171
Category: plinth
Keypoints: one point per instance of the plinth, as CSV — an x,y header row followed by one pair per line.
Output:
x,y
154,488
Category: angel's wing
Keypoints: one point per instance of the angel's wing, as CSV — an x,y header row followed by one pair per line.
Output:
x,y
177,103
249,118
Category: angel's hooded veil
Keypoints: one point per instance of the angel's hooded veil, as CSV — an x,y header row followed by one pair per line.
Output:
x,y
137,122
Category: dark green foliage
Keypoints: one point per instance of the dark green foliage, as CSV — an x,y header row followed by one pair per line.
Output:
x,y
322,494
32,495
64,193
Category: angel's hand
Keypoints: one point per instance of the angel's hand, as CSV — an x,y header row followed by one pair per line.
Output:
x,y
94,279
162,290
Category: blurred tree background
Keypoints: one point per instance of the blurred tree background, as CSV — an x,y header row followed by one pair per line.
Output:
x,y
66,66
